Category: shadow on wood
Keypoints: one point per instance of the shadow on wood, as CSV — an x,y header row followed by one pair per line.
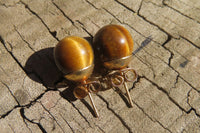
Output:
x,y
42,64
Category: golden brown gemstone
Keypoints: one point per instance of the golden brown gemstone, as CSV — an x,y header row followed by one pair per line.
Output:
x,y
74,57
113,42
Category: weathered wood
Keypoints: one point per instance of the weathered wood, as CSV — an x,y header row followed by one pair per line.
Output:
x,y
165,97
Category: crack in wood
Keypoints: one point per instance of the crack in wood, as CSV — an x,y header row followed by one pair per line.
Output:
x,y
11,47
100,129
113,15
7,6
175,83
55,103
34,13
82,26
138,11
169,64
10,92
179,117
164,91
16,60
81,114
120,3
161,29
22,106
154,3
140,108
188,95
144,18
30,103
165,4
188,4
11,128
124,23
140,77
92,4
12,55
3,71
31,121
171,53
67,124
52,117
26,125
169,38
130,26
8,112
147,64
138,81
68,18
4,44
29,45
117,115
198,115
192,108
196,46
171,57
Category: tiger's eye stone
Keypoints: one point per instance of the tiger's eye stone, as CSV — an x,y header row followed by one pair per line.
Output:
x,y
74,57
114,45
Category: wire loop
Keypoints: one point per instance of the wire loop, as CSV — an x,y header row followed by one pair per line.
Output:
x,y
118,77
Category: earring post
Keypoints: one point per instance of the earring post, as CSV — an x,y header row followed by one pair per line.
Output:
x,y
128,94
93,105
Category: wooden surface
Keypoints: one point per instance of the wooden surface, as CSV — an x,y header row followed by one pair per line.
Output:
x,y
166,95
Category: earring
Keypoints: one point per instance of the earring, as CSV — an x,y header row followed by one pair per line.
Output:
x,y
114,46
75,59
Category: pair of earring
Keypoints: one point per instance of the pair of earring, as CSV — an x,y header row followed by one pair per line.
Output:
x,y
113,45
